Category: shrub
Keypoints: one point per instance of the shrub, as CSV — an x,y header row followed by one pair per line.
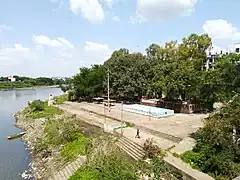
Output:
x,y
61,99
71,96
151,150
36,105
129,124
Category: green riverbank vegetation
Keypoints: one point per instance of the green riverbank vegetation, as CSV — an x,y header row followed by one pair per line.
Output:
x,y
107,162
27,82
39,109
217,149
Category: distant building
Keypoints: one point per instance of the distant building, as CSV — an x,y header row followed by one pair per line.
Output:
x,y
11,78
214,52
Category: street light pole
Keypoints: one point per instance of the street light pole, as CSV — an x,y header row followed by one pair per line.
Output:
x,y
122,118
108,93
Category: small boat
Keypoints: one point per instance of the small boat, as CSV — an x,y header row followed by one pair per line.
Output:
x,y
16,135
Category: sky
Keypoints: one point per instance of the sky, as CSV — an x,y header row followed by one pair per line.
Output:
x,y
54,38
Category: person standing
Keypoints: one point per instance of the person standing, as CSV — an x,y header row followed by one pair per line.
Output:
x,y
50,100
137,135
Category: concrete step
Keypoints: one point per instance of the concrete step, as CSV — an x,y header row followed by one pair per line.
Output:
x,y
69,170
138,146
132,147
129,152
62,175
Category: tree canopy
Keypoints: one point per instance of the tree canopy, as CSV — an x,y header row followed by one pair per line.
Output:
x,y
217,150
174,70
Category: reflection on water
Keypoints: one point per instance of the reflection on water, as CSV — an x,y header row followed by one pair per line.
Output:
x,y
14,159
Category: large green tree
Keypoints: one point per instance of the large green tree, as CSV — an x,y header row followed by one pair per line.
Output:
x,y
217,150
89,81
130,74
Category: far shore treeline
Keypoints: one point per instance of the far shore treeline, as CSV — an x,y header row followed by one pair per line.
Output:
x,y
173,69
25,82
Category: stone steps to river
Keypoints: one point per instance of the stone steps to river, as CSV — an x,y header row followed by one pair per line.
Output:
x,y
69,170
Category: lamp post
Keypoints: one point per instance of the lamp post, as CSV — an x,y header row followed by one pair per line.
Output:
x,y
122,118
108,93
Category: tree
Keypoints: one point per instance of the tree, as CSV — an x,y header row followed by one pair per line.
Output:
x,y
89,82
129,74
217,152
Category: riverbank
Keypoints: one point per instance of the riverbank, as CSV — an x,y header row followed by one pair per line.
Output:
x,y
57,140
44,162
27,88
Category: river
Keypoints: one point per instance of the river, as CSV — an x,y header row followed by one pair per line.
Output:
x,y
14,158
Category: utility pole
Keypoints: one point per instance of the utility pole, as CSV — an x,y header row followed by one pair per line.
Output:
x,y
122,118
105,120
108,93
149,113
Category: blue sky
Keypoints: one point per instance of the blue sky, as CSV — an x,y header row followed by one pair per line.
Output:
x,y
56,37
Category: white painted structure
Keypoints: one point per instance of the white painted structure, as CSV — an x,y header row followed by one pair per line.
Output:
x,y
11,78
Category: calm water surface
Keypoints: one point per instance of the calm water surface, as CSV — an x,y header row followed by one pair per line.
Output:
x,y
14,158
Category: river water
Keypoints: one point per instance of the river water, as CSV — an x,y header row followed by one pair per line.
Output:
x,y
14,158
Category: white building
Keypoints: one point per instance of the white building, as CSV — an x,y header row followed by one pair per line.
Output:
x,y
215,51
11,78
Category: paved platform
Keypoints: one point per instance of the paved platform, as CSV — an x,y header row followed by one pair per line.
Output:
x,y
179,125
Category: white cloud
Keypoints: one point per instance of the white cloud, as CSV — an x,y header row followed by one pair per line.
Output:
x,y
46,41
49,61
65,42
4,27
215,49
97,52
220,29
155,10
90,10
11,55
223,33
116,18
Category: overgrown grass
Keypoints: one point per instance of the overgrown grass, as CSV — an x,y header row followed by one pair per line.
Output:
x,y
39,109
61,99
47,112
113,165
74,148
66,135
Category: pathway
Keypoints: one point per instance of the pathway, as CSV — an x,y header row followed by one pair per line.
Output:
x,y
132,145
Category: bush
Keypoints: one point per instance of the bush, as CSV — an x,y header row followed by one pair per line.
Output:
x,y
71,96
36,105
61,99
158,169
151,150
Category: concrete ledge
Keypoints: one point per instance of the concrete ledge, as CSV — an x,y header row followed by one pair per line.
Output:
x,y
187,171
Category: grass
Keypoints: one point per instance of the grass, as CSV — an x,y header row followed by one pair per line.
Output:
x,y
129,124
47,112
77,147
112,165
61,99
